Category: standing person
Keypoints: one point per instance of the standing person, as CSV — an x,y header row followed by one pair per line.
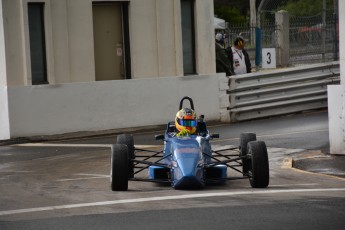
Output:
x,y
239,58
222,60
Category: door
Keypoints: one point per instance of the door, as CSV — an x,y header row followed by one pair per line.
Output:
x,y
108,41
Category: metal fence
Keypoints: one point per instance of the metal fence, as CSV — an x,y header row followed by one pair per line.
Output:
x,y
281,92
313,39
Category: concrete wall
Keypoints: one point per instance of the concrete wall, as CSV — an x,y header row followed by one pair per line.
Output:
x,y
14,51
4,118
283,42
4,115
63,108
153,36
155,39
74,101
336,96
205,41
3,72
336,117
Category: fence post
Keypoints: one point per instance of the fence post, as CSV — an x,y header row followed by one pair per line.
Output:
x,y
252,21
283,41
324,11
258,47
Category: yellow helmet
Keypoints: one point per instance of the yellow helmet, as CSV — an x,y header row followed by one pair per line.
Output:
x,y
186,120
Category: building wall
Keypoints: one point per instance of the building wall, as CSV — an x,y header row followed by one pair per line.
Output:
x,y
60,42
14,43
104,105
4,118
4,115
205,41
73,101
155,39
3,71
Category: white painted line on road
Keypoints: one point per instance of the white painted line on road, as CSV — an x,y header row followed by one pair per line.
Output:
x,y
292,133
87,174
82,178
64,145
79,145
285,185
148,146
162,198
90,176
274,134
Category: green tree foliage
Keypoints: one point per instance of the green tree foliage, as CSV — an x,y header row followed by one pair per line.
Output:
x,y
230,14
234,11
305,7
241,5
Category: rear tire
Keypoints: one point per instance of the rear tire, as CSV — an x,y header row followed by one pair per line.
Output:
x,y
259,164
119,168
245,138
127,139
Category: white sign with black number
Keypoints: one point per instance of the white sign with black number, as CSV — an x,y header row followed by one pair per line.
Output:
x,y
268,58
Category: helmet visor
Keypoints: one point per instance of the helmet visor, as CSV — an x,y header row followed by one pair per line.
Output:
x,y
190,123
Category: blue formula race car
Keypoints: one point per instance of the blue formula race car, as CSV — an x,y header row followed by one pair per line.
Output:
x,y
188,161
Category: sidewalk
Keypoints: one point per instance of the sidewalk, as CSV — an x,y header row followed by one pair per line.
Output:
x,y
322,163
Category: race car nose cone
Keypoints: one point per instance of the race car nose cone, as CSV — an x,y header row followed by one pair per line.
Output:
x,y
189,183
188,175
188,166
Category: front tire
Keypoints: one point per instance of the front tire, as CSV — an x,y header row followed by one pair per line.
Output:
x,y
259,170
119,168
245,138
127,139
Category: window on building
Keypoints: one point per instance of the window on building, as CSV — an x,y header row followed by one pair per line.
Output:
x,y
37,43
188,37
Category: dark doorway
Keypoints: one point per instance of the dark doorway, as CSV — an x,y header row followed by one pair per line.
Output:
x,y
188,36
37,43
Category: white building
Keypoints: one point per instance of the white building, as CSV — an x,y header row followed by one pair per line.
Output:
x,y
63,63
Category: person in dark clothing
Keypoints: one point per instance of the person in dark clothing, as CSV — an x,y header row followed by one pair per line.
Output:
x,y
222,60
239,58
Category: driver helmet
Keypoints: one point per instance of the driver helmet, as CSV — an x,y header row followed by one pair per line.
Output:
x,y
186,119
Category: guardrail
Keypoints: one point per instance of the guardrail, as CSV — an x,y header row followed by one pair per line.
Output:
x,y
281,92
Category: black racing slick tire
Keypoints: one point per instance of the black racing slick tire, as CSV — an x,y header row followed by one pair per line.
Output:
x,y
119,168
245,138
259,170
127,139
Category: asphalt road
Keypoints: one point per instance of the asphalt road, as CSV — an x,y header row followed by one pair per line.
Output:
x,y
65,185
305,131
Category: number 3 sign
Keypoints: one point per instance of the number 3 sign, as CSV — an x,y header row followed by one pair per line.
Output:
x,y
269,58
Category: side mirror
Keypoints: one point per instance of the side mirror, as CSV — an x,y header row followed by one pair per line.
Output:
x,y
159,137
215,135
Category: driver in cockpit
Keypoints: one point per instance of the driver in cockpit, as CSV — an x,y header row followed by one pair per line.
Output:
x,y
185,122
